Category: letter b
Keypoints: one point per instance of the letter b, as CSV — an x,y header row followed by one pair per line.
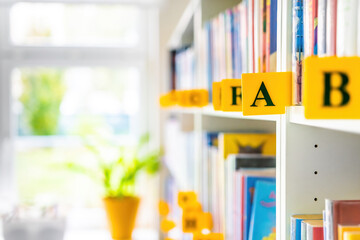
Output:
x,y
329,89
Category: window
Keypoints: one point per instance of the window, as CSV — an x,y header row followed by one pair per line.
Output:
x,y
58,24
92,58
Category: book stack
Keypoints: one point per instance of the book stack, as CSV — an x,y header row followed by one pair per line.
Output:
x,y
339,221
241,40
238,184
182,68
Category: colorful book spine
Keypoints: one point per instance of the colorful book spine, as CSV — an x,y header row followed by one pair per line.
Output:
x,y
249,187
298,48
314,20
347,13
321,33
263,36
263,216
331,16
273,34
267,51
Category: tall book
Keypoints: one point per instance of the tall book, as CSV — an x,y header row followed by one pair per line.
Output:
x,y
251,29
273,35
263,215
249,186
298,49
244,40
331,19
345,212
233,163
347,14
321,33
257,34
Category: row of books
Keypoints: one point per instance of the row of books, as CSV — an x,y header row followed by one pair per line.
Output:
x,y
182,68
237,184
243,39
339,221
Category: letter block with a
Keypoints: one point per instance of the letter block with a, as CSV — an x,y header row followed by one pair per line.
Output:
x,y
332,88
266,93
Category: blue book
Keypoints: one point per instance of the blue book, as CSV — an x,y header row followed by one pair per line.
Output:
x,y
249,187
273,26
263,215
209,57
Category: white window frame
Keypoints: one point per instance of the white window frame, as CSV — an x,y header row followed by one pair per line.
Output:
x,y
13,56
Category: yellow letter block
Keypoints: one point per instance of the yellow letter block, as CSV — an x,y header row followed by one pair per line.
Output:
x,y
169,99
199,97
231,95
331,88
216,95
186,199
194,221
266,93
163,208
167,225
210,236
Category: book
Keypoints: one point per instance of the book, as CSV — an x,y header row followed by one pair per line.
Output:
x,y
249,187
244,40
321,33
346,42
347,228
250,37
345,212
263,215
230,143
331,12
295,224
262,36
352,236
298,49
233,163
314,229
273,35
267,38
257,34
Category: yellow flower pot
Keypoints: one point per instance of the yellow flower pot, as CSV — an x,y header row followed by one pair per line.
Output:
x,y
121,214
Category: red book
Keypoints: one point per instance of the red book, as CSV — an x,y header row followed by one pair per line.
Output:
x,y
344,212
314,229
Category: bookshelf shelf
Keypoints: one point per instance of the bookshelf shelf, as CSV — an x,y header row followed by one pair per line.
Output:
x,y
209,111
296,115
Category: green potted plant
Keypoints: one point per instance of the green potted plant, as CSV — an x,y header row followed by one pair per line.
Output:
x,y
118,177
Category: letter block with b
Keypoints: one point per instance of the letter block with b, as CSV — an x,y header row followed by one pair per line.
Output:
x,y
332,88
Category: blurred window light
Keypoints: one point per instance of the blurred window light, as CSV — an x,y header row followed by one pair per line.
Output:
x,y
61,99
84,25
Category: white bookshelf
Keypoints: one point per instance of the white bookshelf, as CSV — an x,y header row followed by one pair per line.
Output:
x,y
329,147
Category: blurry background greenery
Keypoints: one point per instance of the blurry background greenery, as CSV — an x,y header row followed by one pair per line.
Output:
x,y
42,95
55,109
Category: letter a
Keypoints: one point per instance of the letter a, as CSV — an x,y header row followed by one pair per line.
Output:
x,y
266,97
329,88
